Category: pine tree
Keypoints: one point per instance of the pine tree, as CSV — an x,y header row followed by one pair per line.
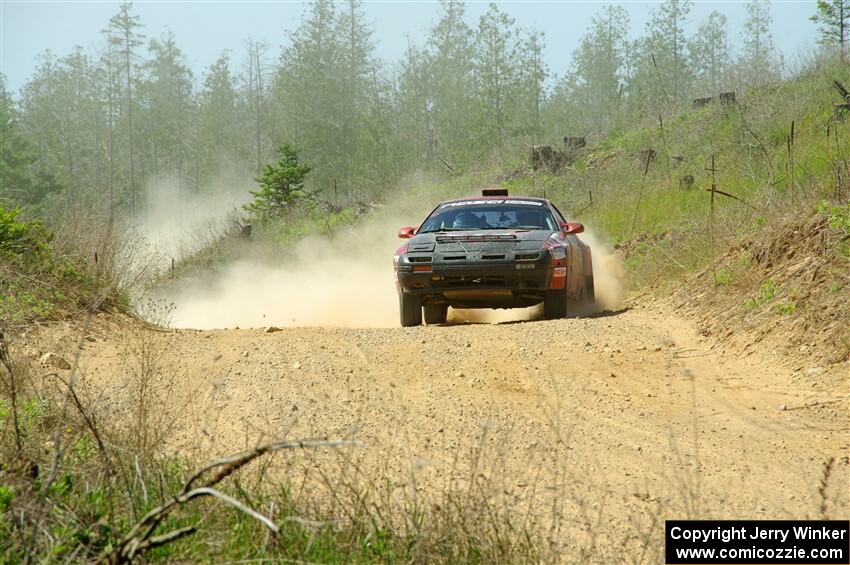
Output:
x,y
40,111
667,49
833,19
414,127
307,91
709,51
110,85
218,120
16,155
168,108
281,186
497,74
361,143
255,95
20,180
596,77
450,83
121,32
758,61
533,73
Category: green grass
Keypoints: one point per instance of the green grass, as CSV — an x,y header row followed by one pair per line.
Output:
x,y
749,145
38,282
766,293
99,493
838,216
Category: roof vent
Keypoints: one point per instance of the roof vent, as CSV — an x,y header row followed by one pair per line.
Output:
x,y
494,192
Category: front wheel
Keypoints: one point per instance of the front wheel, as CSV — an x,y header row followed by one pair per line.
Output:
x,y
436,313
410,309
555,304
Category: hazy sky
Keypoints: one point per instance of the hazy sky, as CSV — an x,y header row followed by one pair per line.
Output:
x,y
204,28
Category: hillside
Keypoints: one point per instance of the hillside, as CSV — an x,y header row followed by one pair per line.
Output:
x,y
716,386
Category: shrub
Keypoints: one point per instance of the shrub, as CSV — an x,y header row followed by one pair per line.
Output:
x,y
41,279
21,238
281,186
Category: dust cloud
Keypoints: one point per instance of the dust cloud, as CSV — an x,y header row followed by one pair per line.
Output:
x,y
179,220
346,281
342,281
608,274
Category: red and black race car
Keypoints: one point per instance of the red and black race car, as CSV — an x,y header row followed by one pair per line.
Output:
x,y
493,251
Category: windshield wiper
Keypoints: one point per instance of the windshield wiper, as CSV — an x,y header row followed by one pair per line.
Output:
x,y
447,229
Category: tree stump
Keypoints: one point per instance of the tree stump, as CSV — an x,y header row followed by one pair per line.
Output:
x,y
574,143
541,156
549,158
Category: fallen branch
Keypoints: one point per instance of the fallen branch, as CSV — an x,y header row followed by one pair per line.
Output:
x,y
733,197
140,537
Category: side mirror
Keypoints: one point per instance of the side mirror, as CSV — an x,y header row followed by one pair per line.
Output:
x,y
572,227
406,233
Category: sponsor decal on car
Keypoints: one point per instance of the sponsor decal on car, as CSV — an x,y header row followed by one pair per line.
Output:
x,y
490,202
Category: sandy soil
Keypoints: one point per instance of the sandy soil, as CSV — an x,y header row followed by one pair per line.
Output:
x,y
635,408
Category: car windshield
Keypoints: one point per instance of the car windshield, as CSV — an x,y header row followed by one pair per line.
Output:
x,y
467,215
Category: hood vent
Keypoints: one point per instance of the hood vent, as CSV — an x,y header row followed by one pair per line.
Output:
x,y
476,237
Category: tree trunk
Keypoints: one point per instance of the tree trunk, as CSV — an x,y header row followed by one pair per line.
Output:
x,y
130,117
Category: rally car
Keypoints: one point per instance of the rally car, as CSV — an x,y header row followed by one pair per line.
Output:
x,y
492,251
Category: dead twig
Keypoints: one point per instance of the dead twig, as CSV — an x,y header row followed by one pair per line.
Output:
x,y
648,159
140,537
732,196
13,393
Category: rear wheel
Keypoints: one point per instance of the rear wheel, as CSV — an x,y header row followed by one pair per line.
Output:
x,y
555,304
410,309
589,295
436,313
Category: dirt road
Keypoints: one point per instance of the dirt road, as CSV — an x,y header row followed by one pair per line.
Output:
x,y
634,409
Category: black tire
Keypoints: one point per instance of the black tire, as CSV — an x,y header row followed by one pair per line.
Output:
x,y
555,304
410,309
589,296
436,313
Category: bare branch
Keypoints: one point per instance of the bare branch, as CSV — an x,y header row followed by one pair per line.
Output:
x,y
234,462
139,538
733,197
163,539
209,491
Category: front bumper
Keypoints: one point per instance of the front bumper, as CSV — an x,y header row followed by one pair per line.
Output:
x,y
477,285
